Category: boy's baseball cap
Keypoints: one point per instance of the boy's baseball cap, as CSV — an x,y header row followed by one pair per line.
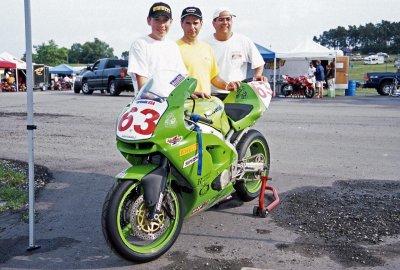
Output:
x,y
191,11
160,8
218,11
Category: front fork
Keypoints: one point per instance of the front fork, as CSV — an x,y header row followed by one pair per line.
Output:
x,y
154,185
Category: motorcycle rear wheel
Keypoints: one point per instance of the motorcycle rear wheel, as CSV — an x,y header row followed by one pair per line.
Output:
x,y
251,144
127,230
309,92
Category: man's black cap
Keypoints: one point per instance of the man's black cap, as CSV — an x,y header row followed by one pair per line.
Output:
x,y
191,11
160,8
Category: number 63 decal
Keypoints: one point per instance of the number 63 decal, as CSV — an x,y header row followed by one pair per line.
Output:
x,y
139,122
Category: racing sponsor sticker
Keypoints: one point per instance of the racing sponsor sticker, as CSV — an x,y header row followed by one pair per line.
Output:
x,y
174,140
190,161
188,149
170,121
177,80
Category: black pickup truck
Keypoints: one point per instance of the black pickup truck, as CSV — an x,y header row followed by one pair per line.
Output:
x,y
106,74
381,81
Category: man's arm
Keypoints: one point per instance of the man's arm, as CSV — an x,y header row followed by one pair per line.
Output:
x,y
258,71
141,80
218,82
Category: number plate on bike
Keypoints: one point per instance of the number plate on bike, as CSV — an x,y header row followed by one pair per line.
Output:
x,y
263,90
140,120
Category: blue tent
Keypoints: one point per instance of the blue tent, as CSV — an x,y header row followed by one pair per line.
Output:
x,y
265,53
62,69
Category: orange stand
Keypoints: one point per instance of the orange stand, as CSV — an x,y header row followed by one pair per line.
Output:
x,y
260,210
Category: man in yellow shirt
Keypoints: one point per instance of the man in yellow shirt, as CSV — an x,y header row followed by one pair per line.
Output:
x,y
198,56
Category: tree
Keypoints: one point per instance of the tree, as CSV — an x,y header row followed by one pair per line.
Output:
x,y
75,53
383,36
125,55
50,54
92,51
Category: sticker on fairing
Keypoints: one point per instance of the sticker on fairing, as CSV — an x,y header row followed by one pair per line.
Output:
x,y
174,140
140,120
263,91
190,161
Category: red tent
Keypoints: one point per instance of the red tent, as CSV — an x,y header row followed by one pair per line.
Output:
x,y
6,64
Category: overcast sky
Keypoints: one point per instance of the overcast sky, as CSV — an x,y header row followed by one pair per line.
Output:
x,y
279,25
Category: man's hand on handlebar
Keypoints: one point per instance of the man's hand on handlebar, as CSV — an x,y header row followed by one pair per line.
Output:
x,y
260,78
196,95
232,86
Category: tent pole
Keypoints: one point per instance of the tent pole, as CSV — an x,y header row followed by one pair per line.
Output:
x,y
274,75
16,78
30,126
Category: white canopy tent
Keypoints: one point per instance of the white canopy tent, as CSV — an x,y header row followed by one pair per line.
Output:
x,y
296,61
5,56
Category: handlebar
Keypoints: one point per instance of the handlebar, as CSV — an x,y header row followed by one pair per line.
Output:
x,y
196,117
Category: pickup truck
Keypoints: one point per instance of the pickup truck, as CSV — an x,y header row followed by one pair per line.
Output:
x,y
381,81
106,74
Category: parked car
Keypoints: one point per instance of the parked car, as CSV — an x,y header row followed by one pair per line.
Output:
x,y
106,74
381,81
397,63
357,58
78,78
385,55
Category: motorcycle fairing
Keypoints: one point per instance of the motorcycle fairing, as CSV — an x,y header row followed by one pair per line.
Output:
x,y
140,119
240,100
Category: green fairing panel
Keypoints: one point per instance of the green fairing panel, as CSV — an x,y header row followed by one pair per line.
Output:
x,y
136,172
212,108
245,95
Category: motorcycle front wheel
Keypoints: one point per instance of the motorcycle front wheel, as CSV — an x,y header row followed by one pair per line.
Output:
x,y
286,89
128,231
250,145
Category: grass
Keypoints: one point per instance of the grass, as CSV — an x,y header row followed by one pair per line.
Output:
x,y
12,192
357,69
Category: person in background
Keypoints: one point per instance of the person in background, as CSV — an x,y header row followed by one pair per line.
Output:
x,y
320,78
233,51
330,75
198,56
154,52
311,73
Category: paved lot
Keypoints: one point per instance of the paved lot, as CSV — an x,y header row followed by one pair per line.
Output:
x,y
312,143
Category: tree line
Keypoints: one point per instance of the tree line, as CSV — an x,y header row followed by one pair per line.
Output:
x,y
380,37
51,54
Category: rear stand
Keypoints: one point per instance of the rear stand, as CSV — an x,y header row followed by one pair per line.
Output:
x,y
260,210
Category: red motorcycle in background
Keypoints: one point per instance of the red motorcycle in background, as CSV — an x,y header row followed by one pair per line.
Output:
x,y
297,87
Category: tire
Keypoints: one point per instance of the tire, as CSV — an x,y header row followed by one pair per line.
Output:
x,y
124,223
384,89
309,92
77,91
112,88
85,89
252,143
286,89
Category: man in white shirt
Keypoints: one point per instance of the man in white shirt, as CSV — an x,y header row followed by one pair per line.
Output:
x,y
155,52
233,51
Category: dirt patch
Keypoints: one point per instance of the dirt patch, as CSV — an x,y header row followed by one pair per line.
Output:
x,y
348,222
181,262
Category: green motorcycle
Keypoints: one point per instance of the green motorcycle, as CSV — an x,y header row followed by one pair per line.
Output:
x,y
186,155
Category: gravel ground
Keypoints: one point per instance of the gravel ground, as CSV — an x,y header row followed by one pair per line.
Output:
x,y
347,221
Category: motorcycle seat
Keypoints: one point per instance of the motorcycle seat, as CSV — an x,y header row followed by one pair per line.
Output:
x,y
237,111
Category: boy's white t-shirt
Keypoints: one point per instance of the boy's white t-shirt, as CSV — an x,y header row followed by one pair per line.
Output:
x,y
232,57
147,56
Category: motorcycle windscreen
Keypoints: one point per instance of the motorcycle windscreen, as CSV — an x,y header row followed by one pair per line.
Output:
x,y
139,119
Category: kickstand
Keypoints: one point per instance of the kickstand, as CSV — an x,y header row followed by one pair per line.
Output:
x,y
260,210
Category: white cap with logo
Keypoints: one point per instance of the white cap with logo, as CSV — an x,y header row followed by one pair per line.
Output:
x,y
218,11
